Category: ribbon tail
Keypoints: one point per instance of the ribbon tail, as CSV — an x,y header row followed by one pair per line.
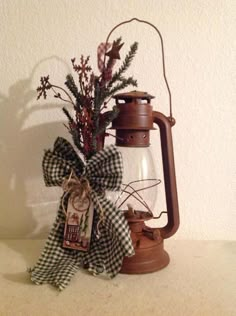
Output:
x,y
107,252
56,265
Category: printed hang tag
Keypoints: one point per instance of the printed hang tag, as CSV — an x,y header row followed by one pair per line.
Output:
x,y
78,226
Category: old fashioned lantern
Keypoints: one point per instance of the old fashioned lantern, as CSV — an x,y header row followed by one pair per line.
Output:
x,y
137,199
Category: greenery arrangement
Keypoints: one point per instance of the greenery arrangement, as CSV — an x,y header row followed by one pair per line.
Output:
x,y
89,95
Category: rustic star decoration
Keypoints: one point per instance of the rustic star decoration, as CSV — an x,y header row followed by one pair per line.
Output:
x,y
114,52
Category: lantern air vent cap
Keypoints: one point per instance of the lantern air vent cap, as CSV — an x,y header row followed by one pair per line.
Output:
x,y
134,112
134,95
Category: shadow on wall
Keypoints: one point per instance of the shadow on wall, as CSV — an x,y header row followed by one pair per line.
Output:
x,y
21,152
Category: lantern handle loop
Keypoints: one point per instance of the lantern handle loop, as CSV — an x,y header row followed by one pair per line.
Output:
x,y
162,51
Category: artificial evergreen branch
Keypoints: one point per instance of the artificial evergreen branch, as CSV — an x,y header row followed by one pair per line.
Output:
x,y
96,111
127,62
66,112
75,132
120,86
76,136
90,97
107,118
70,83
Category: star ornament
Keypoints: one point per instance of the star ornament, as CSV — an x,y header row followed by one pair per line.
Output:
x,y
114,52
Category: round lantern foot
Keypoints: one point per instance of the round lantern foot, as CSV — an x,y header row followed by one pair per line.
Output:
x,y
146,260
150,255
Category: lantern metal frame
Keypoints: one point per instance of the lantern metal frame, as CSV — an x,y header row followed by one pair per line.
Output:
x,y
133,125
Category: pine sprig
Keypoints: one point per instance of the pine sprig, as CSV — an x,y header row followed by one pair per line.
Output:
x,y
66,112
127,62
122,85
70,83
76,136
89,98
98,101
107,118
73,130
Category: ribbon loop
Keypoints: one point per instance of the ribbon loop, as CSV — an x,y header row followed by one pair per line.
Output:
x,y
103,171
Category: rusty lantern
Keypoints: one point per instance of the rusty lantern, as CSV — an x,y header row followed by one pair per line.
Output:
x,y
137,199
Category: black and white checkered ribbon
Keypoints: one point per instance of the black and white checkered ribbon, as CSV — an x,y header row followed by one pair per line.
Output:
x,y
57,265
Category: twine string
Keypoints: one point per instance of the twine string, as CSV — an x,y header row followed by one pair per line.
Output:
x,y
79,191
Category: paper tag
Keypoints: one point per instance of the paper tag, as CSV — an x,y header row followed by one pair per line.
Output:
x,y
78,226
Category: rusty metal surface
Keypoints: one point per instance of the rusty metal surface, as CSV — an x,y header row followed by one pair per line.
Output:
x,y
169,174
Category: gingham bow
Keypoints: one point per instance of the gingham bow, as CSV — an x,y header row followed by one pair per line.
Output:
x,y
104,170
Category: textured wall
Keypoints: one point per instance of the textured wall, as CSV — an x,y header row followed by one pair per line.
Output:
x,y
40,37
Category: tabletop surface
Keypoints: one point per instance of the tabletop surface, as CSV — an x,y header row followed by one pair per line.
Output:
x,y
200,280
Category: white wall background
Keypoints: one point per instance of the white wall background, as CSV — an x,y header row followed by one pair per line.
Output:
x,y
39,38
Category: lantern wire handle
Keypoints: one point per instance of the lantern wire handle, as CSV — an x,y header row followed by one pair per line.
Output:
x,y
136,192
162,50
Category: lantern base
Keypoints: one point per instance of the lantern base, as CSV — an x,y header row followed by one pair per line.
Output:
x,y
150,255
146,260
